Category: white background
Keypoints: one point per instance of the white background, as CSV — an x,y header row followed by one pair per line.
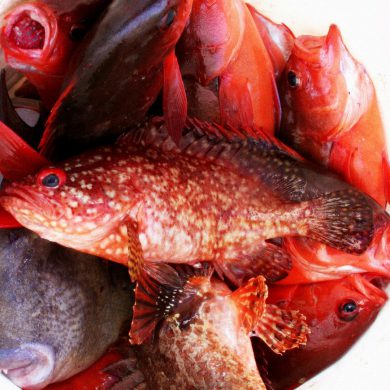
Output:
x,y
365,26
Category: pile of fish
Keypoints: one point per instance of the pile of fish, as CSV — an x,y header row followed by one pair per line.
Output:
x,y
236,172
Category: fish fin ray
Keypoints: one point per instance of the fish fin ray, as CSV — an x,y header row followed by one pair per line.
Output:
x,y
17,157
235,102
342,219
174,98
282,330
250,301
271,261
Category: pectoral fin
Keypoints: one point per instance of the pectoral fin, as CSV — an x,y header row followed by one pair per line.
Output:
x,y
282,330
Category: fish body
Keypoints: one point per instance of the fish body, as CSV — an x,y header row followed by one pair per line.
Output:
x,y
59,309
223,59
337,312
277,38
331,115
120,68
209,200
39,38
211,326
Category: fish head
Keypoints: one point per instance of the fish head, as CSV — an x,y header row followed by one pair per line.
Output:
x,y
72,204
337,312
212,38
324,90
50,296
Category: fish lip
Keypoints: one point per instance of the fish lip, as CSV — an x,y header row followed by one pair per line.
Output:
x,y
30,365
30,197
43,15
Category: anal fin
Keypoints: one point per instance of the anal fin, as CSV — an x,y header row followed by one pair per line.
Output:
x,y
282,330
272,262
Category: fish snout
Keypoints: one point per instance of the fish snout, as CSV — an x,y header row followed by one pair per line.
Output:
x,y
30,365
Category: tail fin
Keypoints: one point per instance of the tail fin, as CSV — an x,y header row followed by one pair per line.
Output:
x,y
343,220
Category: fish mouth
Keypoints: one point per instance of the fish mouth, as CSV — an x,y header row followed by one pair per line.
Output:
x,y
308,48
30,365
22,202
24,21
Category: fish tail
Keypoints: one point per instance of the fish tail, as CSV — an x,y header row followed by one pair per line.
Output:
x,y
282,330
342,219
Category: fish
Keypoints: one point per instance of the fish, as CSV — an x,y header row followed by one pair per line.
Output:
x,y
337,312
213,326
223,60
39,37
59,309
121,68
277,38
331,114
146,202
102,375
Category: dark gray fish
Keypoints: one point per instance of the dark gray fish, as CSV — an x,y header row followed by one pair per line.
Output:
x,y
59,309
117,76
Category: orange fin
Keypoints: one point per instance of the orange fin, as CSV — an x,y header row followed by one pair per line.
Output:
x,y
250,301
235,102
272,262
174,98
386,176
282,330
17,158
342,219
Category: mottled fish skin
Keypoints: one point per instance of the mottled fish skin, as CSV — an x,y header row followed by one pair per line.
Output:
x,y
59,309
212,352
189,205
120,69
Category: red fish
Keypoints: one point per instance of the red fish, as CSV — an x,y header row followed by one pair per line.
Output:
x,y
39,38
121,68
331,115
212,326
277,38
147,201
223,59
338,312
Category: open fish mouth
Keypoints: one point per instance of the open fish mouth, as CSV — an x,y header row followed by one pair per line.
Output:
x,y
30,29
30,365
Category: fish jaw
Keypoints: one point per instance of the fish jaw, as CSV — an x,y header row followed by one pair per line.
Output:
x,y
31,365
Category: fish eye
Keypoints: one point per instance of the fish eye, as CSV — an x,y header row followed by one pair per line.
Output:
x,y
77,33
348,310
293,79
51,178
168,18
